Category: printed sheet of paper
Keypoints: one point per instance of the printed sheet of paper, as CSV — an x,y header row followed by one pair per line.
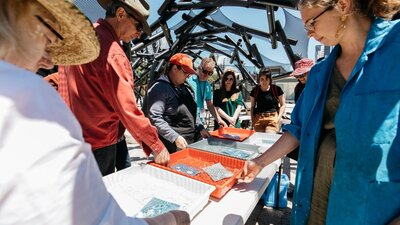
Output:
x,y
236,153
191,171
232,136
156,207
217,172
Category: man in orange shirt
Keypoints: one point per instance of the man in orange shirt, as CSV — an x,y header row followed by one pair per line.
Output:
x,y
100,93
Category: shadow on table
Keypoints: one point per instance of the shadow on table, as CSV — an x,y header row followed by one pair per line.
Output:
x,y
243,187
233,219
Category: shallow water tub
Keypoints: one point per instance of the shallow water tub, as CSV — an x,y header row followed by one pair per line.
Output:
x,y
136,186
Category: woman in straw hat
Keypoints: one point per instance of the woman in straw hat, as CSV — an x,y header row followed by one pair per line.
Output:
x,y
48,173
347,120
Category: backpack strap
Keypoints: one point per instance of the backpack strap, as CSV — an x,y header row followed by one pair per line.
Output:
x,y
257,89
275,92
256,95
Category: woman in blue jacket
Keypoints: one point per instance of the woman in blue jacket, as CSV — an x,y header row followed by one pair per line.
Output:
x,y
347,120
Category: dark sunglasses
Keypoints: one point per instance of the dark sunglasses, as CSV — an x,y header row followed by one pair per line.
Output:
x,y
58,35
229,79
138,24
207,72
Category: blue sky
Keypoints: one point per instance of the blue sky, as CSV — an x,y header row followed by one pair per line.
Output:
x,y
244,16
254,18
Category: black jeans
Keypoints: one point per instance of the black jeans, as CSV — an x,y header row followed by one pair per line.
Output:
x,y
105,158
123,160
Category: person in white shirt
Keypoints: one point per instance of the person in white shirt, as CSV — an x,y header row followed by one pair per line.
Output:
x,y
48,174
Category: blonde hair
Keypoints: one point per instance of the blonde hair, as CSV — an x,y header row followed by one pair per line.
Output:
x,y
381,8
14,15
208,62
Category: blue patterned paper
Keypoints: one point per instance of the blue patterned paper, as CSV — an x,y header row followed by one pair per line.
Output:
x,y
232,136
236,153
156,207
186,169
217,172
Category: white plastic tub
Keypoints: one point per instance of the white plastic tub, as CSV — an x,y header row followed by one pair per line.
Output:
x,y
217,145
264,140
133,187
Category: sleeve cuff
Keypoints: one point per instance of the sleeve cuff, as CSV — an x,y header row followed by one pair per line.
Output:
x,y
293,130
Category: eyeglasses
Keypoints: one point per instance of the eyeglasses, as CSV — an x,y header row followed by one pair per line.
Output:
x,y
138,24
229,79
206,72
309,25
41,20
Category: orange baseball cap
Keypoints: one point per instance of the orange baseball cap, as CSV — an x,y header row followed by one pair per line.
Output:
x,y
183,61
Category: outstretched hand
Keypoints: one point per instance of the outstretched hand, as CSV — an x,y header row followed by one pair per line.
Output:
x,y
250,170
222,123
162,158
181,142
204,133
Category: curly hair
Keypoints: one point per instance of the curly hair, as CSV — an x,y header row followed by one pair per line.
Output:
x,y
381,8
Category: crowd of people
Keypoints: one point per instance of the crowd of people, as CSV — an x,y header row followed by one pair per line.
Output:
x,y
346,122
57,142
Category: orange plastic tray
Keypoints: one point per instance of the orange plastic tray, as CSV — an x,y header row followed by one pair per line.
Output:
x,y
200,159
243,134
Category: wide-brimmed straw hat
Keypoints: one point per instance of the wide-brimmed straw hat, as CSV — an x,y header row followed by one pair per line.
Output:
x,y
140,9
302,66
80,43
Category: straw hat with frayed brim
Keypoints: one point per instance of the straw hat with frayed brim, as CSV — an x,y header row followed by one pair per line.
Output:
x,y
140,8
80,43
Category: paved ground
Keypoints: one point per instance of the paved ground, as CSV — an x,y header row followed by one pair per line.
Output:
x,y
261,215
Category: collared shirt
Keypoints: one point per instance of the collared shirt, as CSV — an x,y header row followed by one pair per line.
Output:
x,y
48,174
202,89
203,92
366,179
101,95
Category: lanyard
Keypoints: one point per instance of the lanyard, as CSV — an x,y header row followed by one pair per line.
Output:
x,y
202,90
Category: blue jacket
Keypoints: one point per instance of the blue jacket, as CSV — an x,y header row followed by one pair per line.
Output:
x,y
366,182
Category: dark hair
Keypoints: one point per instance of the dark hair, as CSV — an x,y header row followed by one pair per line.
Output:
x,y
265,72
370,8
223,87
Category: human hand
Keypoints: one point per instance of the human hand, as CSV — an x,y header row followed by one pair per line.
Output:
x,y
225,100
250,171
162,158
222,123
174,217
232,121
396,221
181,142
204,133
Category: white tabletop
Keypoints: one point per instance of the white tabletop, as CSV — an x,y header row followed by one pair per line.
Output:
x,y
237,205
